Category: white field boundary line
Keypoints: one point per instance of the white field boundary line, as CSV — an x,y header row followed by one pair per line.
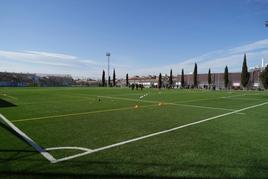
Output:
x,y
222,97
196,100
149,101
247,99
171,103
202,107
68,148
11,97
240,95
157,133
39,149
232,96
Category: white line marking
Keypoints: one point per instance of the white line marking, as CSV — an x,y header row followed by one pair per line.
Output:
x,y
195,100
43,152
143,96
239,95
247,99
157,133
231,96
68,148
202,107
172,103
206,107
12,97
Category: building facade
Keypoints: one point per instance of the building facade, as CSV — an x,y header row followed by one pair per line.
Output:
x,y
202,79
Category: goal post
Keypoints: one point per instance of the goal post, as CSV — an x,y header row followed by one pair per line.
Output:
x,y
26,138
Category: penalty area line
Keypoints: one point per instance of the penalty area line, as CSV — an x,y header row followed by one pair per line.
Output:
x,y
157,133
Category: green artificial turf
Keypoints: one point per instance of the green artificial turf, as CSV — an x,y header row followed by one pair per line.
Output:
x,y
230,146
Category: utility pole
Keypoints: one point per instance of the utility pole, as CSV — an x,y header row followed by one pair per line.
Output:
x,y
108,54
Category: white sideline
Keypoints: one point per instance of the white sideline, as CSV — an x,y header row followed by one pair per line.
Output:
x,y
240,95
11,97
172,103
202,107
157,133
43,152
247,99
68,148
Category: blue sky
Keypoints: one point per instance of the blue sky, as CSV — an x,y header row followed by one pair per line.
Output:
x,y
143,36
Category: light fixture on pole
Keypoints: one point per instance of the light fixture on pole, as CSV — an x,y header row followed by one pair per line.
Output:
x,y
108,54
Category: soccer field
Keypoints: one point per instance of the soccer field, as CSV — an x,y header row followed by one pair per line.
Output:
x,y
100,132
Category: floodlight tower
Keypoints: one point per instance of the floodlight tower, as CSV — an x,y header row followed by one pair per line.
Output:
x,y
108,54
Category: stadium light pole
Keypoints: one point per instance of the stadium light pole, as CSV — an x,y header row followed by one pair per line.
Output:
x,y
108,54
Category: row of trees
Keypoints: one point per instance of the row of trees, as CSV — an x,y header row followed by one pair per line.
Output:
x,y
264,77
245,76
103,80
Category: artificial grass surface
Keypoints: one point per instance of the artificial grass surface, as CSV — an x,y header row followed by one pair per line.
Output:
x,y
231,146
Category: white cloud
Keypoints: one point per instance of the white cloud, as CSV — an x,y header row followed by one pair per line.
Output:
x,y
38,57
217,60
46,62
54,63
52,55
46,58
255,46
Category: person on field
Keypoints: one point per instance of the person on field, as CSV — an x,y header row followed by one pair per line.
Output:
x,y
132,86
141,87
137,87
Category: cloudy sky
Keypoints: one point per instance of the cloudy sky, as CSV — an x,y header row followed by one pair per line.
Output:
x,y
143,36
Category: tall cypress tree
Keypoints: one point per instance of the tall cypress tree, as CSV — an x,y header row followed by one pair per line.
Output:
x,y
114,78
127,83
109,81
195,75
182,79
209,77
103,78
245,74
226,77
264,77
170,79
160,81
